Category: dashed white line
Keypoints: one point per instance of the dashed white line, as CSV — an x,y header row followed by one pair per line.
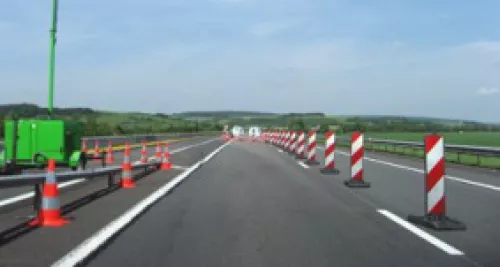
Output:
x,y
303,164
422,234
280,150
93,243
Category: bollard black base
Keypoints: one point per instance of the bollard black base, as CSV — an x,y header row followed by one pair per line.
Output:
x,y
437,222
330,171
311,162
357,183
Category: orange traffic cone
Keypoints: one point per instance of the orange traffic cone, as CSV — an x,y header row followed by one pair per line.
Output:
x,y
158,151
109,154
144,153
84,146
127,181
49,214
97,151
165,164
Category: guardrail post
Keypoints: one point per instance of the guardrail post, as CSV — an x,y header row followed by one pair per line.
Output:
x,y
435,194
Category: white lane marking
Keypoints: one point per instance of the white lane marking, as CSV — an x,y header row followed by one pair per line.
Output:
x,y
12,200
280,150
176,167
28,195
422,234
303,164
82,251
448,177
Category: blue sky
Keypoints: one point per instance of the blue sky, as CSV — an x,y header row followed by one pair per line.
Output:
x,y
424,58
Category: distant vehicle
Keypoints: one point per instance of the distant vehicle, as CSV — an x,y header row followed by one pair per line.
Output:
x,y
237,131
254,131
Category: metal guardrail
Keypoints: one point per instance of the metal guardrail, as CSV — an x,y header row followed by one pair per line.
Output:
x,y
477,151
39,178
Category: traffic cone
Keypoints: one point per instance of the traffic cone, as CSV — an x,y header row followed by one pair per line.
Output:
x,y
49,214
158,151
127,181
109,155
144,153
97,151
165,164
84,145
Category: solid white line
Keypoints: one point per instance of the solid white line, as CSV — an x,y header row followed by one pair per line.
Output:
x,y
422,234
82,251
303,164
280,150
28,195
448,177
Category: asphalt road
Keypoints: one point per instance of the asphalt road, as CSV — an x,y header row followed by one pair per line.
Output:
x,y
254,206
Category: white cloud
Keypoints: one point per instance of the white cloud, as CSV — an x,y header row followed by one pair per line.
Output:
x,y
487,91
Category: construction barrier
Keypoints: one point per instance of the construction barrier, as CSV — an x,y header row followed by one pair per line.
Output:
x,y
144,152
330,144
292,142
311,149
357,154
435,193
97,151
288,136
126,180
49,213
110,158
84,146
301,145
165,163
158,151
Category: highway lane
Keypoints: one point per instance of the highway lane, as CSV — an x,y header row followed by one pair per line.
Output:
x,y
254,206
7,194
89,206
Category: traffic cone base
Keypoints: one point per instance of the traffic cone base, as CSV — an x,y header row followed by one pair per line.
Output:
x,y
128,183
49,218
166,166
356,183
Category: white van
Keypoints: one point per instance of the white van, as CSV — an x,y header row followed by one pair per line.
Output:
x,y
254,131
237,131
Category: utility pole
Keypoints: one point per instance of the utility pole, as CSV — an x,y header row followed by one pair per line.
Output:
x,y
52,59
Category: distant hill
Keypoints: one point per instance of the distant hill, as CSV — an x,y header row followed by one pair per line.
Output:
x,y
107,123
222,114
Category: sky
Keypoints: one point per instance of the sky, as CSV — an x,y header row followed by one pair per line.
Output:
x,y
341,57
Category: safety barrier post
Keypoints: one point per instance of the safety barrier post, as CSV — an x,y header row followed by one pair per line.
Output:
x,y
144,152
435,193
330,144
357,154
301,146
109,153
311,149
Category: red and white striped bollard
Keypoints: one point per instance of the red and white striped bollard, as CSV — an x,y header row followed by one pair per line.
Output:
x,y
311,149
435,193
357,154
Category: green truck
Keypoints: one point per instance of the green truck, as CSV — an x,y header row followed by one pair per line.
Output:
x,y
29,143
